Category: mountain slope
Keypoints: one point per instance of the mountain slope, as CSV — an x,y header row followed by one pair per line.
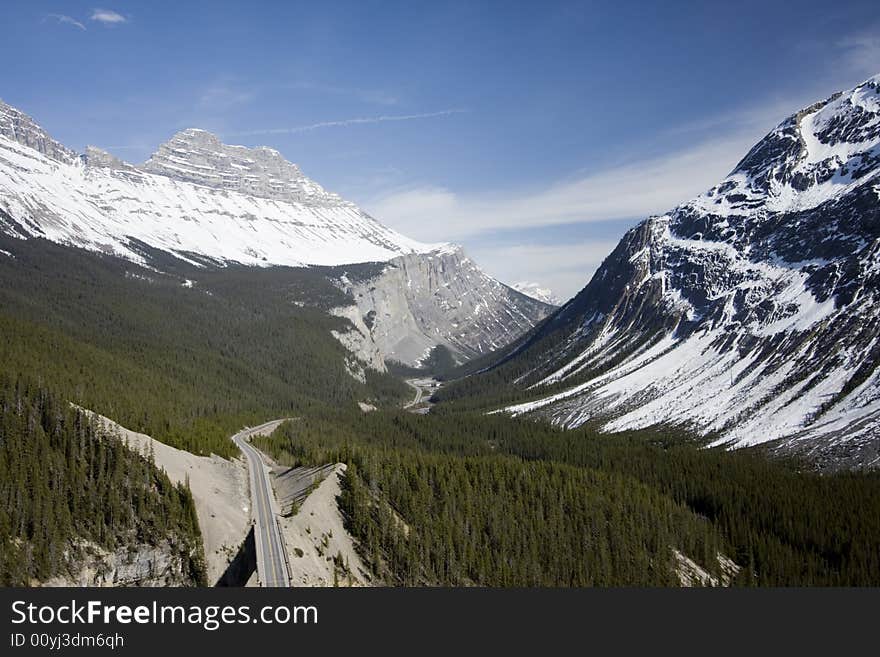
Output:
x,y
215,205
748,314
187,356
195,196
418,302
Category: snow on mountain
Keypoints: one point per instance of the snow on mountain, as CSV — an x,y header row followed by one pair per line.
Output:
x,y
194,196
749,314
534,290
208,202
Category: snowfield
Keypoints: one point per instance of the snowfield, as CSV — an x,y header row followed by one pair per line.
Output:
x,y
268,213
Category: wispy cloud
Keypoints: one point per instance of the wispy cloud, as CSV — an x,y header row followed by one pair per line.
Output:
x,y
343,123
618,195
564,268
861,52
67,20
108,17
635,189
618,189
645,185
623,191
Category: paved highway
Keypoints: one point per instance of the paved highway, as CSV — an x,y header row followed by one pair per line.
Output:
x,y
418,396
272,566
424,388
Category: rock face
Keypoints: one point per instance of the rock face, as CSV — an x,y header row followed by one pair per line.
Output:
x,y
219,490
200,157
138,565
17,126
96,157
359,341
418,302
749,314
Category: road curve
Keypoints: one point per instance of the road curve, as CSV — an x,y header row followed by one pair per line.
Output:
x,y
272,565
418,396
424,387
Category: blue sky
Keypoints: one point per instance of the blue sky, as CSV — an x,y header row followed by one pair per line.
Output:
x,y
533,133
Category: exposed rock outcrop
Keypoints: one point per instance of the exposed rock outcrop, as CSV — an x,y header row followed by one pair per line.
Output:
x,y
19,127
136,565
420,301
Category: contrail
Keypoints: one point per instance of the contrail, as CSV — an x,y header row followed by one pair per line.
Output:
x,y
61,18
342,123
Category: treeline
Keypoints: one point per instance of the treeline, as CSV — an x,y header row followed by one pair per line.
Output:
x,y
187,365
424,490
510,376
64,486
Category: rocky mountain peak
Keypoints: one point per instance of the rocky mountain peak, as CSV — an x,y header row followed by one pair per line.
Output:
x,y
417,302
21,128
814,155
200,157
98,157
195,195
537,291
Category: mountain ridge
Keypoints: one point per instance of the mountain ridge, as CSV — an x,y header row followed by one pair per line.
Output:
x,y
269,214
213,204
746,314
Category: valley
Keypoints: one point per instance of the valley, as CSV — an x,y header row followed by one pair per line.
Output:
x,y
703,412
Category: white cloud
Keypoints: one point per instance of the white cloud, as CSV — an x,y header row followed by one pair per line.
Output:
x,y
108,17
630,189
343,123
862,53
625,190
68,20
636,189
564,268
622,190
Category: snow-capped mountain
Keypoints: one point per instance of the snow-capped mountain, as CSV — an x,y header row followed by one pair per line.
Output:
x,y
749,314
211,203
194,196
534,290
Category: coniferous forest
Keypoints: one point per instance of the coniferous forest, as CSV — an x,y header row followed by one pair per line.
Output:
x,y
470,295
186,365
65,488
468,499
